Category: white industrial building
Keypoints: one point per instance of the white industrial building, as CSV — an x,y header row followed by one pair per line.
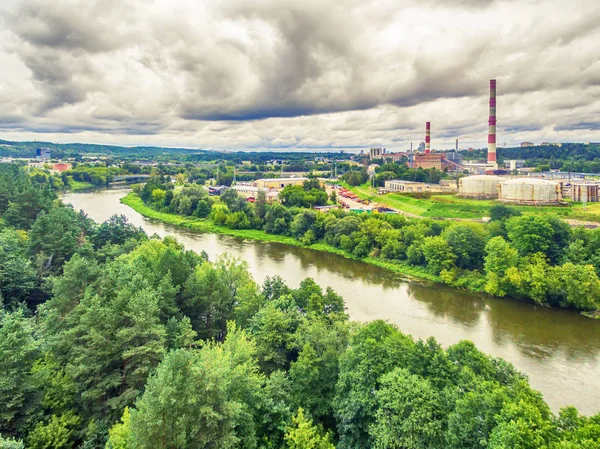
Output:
x,y
584,192
404,186
479,186
530,191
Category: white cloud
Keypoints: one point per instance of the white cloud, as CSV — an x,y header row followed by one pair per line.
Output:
x,y
283,73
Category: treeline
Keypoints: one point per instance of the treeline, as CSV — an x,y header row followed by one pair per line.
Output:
x,y
135,343
66,150
574,157
232,209
99,175
390,170
537,258
162,154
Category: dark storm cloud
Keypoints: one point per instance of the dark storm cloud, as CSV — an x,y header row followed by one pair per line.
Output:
x,y
521,128
594,126
65,26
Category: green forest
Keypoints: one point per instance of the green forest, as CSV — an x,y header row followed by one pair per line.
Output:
x,y
110,338
537,258
573,157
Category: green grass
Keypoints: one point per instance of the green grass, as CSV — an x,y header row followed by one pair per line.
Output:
x,y
205,225
76,186
451,206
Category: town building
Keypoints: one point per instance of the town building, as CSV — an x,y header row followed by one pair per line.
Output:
x,y
42,154
376,153
394,157
61,167
372,168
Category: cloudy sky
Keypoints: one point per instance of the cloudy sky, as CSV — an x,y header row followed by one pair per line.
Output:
x,y
298,73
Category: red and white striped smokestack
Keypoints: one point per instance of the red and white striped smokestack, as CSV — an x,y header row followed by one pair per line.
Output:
x,y
492,124
427,137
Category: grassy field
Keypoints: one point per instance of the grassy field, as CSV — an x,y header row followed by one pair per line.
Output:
x,y
451,206
205,225
77,186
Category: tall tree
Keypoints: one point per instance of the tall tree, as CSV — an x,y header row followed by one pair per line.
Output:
x,y
55,236
374,350
410,414
500,257
305,435
19,395
201,399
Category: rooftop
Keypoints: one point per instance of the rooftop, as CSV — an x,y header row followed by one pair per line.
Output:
x,y
282,179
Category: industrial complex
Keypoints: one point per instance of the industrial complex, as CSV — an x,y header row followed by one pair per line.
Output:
x,y
485,181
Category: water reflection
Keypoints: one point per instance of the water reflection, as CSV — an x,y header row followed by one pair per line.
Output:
x,y
463,308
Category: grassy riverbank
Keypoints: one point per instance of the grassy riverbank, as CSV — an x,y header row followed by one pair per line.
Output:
x,y
206,225
79,186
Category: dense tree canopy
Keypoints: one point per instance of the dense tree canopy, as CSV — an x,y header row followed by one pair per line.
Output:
x,y
122,341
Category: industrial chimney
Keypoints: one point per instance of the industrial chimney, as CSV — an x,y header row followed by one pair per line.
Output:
x,y
456,149
427,137
492,125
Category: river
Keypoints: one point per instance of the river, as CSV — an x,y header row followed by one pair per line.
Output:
x,y
558,349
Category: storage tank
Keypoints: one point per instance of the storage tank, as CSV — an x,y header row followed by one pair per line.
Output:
x,y
479,186
530,191
584,193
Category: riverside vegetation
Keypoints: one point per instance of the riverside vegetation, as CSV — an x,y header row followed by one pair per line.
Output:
x,y
538,258
113,339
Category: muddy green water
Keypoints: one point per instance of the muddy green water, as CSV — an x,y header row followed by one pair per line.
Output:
x,y
559,350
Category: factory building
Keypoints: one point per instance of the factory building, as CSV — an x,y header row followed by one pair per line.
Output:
x,y
278,183
530,191
429,160
396,185
584,193
479,186
455,157
252,192
514,164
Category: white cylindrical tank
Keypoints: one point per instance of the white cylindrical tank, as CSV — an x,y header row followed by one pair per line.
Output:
x,y
479,186
526,190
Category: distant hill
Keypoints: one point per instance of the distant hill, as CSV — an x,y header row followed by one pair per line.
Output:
x,y
578,157
580,151
66,150
60,150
